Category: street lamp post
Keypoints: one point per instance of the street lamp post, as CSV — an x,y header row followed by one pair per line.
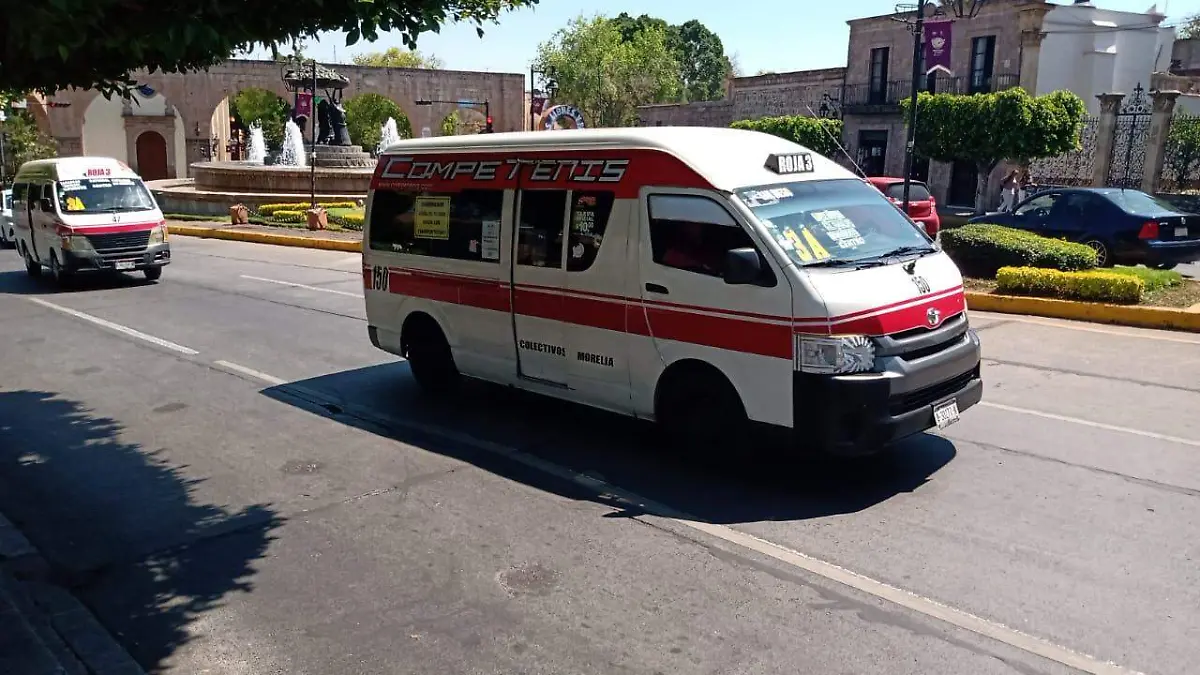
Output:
x,y
487,109
960,9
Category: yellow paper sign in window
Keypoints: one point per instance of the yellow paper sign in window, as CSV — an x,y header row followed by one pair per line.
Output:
x,y
74,203
817,249
431,218
801,249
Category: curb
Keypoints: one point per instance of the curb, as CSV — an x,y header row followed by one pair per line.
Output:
x,y
265,238
1121,315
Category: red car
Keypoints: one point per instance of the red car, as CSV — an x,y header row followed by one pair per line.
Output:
x,y
921,205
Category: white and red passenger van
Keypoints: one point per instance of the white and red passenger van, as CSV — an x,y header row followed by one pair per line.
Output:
x,y
700,277
75,214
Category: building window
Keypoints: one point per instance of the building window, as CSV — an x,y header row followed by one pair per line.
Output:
x,y
879,75
928,81
461,225
872,151
983,57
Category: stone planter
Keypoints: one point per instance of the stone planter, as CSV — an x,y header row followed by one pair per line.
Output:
x,y
239,215
318,219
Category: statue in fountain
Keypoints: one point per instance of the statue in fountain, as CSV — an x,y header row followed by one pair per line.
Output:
x,y
324,131
337,119
334,148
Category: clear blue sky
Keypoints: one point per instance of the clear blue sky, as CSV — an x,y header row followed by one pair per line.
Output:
x,y
773,35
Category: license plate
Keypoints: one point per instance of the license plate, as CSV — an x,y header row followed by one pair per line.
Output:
x,y
1181,232
945,414
124,264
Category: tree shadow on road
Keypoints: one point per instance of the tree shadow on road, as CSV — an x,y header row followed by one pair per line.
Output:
x,y
120,527
757,482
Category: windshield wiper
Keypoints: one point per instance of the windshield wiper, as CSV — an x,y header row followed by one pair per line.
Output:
x,y
906,250
845,262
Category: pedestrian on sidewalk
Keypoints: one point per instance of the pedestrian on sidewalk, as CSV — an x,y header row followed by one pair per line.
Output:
x,y
1008,190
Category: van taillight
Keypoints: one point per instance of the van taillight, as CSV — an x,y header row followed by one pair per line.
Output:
x,y
1149,230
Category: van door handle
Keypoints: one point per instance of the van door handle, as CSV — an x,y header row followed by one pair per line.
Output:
x,y
656,288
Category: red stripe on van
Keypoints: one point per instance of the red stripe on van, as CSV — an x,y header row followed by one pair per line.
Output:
x,y
722,329
104,229
557,169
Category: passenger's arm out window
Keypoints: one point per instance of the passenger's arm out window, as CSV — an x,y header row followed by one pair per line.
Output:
x,y
696,234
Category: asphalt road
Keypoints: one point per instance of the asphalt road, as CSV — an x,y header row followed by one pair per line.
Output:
x,y
235,481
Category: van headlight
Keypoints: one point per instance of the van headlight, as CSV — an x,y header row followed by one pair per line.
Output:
x,y
158,235
833,355
76,243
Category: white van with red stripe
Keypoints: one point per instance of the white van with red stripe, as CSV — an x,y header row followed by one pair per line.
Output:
x,y
700,277
75,214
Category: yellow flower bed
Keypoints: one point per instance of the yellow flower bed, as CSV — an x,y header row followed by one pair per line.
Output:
x,y
1090,286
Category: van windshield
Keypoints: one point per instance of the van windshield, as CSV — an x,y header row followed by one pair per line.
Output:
x,y
833,221
103,195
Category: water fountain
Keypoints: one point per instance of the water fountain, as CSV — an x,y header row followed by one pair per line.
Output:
x,y
342,170
292,153
389,135
257,151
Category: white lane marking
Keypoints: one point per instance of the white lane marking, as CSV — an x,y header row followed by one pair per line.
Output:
x,y
1095,425
304,286
907,599
1065,325
166,344
250,372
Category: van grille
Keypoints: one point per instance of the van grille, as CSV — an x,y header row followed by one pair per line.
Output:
x,y
120,242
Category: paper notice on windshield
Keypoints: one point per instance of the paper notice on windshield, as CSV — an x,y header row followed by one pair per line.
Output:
x,y
431,218
491,240
766,197
839,228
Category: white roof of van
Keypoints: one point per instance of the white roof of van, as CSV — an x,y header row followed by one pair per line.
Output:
x,y
728,158
67,168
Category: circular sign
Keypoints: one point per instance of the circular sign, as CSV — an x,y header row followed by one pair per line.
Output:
x,y
558,112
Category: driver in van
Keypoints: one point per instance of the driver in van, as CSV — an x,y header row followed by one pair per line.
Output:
x,y
687,250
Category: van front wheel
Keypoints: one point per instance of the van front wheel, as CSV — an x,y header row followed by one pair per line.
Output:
x,y
429,358
701,412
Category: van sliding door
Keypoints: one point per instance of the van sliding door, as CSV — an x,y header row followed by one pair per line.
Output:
x,y
538,279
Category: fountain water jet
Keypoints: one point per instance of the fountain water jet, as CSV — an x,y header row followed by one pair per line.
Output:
x,y
389,135
292,152
257,151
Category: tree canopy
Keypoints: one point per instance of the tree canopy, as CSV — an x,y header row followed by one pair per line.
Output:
x,y
606,76
699,54
1189,28
97,43
815,133
366,115
986,129
24,142
395,57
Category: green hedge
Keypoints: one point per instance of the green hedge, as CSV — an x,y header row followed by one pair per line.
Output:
x,y
271,209
288,216
1090,286
349,221
815,133
980,250
1155,280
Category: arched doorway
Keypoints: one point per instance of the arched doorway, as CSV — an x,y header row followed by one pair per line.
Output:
x,y
152,156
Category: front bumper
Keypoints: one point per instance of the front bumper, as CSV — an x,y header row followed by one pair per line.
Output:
x,y
155,255
861,414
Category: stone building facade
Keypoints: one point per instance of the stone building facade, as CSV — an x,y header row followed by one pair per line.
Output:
x,y
191,99
798,93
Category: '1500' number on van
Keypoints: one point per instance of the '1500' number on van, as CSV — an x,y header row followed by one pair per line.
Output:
x,y
379,278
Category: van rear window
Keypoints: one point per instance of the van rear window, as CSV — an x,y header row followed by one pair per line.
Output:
x,y
917,192
459,225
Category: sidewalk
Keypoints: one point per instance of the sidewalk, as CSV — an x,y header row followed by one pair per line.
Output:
x,y
43,629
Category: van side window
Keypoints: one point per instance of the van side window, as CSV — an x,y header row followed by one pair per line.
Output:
x,y
19,191
589,220
460,225
540,228
693,233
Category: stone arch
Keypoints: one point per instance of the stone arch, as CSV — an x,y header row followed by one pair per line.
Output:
x,y
151,155
367,111
110,127
36,108
230,119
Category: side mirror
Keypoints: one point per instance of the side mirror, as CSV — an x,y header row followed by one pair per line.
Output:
x,y
742,266
45,205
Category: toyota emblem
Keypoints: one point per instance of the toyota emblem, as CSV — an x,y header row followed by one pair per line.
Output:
x,y
932,316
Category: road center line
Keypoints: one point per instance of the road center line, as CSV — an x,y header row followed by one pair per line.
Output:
x,y
898,596
304,286
166,344
250,372
1094,425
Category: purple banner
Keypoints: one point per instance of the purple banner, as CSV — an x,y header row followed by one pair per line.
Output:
x,y
304,105
937,46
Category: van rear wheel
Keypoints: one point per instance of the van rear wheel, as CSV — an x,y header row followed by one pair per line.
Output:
x,y
701,412
32,267
430,359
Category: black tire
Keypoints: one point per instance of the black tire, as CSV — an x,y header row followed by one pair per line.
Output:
x,y
700,412
152,273
1165,266
430,358
32,267
58,273
1104,256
